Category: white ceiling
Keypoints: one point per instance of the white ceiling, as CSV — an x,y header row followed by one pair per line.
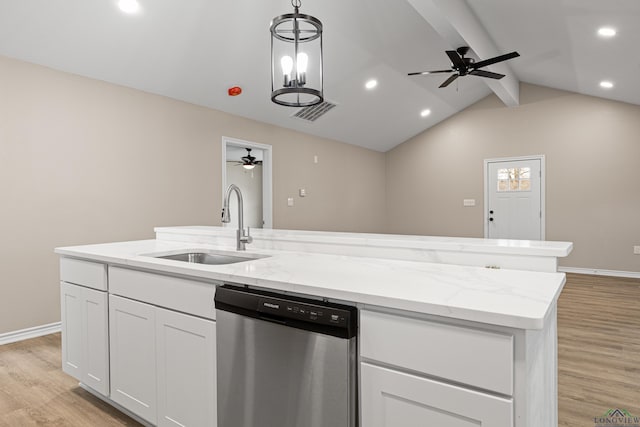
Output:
x,y
195,50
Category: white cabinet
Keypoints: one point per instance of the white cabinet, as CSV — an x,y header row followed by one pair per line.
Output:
x,y
186,363
162,364
416,372
85,349
95,336
133,362
391,398
482,359
71,314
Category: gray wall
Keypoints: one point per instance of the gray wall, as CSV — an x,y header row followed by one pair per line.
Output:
x,y
83,161
592,149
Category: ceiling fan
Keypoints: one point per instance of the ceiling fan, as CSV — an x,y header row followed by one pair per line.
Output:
x,y
249,161
461,65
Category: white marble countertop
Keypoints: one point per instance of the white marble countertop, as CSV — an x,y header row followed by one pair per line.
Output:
x,y
512,298
458,244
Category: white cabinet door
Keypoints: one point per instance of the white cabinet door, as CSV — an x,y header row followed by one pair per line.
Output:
x,y
186,361
95,341
391,399
71,314
133,358
85,336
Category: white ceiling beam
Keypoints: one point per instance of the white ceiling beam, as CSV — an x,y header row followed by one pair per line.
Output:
x,y
457,25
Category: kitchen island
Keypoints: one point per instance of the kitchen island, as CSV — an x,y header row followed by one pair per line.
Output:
x,y
454,344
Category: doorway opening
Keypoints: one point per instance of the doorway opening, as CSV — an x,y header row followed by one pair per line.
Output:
x,y
514,198
256,183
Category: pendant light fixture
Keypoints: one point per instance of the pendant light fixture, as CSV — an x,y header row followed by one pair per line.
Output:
x,y
296,59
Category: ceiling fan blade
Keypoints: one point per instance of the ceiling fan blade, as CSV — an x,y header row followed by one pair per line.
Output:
x,y
495,60
429,72
449,81
456,60
489,74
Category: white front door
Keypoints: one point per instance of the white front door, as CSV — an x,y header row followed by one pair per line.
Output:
x,y
514,199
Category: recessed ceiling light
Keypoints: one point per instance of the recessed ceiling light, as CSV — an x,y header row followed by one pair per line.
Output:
x,y
128,6
425,113
371,84
606,32
606,84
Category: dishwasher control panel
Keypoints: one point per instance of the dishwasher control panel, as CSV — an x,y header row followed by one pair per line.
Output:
x,y
291,310
304,311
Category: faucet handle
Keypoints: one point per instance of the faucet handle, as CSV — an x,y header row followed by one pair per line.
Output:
x,y
246,238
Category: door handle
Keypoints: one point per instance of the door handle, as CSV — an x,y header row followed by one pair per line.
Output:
x,y
490,219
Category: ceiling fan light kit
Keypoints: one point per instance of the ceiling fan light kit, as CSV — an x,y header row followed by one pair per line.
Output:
x,y
296,59
249,162
462,66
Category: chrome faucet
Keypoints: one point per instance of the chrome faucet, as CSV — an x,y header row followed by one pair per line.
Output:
x,y
241,238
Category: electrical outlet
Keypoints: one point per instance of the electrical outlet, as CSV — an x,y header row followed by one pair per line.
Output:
x,y
303,192
315,159
636,250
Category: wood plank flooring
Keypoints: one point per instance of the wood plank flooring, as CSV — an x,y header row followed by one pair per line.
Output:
x,y
35,392
598,348
598,357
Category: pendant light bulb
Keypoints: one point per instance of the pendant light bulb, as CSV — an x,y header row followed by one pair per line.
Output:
x,y
287,65
303,61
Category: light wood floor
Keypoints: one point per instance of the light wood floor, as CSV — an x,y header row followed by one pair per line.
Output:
x,y
598,348
35,392
598,357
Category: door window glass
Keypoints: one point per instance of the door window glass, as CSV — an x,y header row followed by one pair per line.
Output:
x,y
514,179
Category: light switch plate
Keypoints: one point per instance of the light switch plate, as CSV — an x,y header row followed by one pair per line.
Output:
x,y
469,202
290,201
636,250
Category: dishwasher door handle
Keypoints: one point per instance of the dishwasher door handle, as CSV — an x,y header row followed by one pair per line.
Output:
x,y
272,319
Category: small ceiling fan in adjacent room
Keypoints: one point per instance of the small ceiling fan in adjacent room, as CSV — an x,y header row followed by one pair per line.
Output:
x,y
462,66
249,161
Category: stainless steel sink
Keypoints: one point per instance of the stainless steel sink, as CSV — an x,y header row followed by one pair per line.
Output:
x,y
210,258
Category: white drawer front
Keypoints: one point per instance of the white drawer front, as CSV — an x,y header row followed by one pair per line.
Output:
x,y
84,273
468,356
395,399
187,296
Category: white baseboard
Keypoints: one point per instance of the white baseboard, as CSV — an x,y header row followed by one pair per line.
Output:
x,y
25,334
598,272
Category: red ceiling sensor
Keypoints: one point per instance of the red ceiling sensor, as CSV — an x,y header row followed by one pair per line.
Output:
x,y
235,91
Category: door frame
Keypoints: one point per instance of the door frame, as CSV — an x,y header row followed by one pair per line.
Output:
x,y
543,197
267,174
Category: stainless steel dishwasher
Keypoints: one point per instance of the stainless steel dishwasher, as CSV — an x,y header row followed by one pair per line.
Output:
x,y
284,361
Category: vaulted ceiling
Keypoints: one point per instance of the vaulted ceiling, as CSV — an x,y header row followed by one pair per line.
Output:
x,y
195,50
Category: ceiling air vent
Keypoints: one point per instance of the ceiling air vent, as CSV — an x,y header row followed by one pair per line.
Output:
x,y
313,113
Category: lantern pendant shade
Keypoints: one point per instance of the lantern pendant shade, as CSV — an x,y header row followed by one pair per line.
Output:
x,y
296,59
